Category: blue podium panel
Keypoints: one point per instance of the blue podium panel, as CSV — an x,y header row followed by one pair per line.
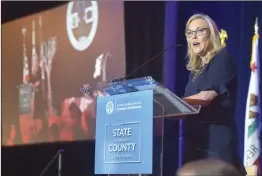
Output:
x,y
124,129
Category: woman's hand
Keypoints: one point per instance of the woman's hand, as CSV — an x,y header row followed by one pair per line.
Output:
x,y
204,95
207,95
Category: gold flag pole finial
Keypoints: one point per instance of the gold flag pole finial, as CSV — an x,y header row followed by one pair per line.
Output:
x,y
256,26
223,37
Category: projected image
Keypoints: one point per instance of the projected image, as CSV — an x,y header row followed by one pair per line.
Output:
x,y
47,59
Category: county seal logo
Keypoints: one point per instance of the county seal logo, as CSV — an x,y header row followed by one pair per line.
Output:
x,y
81,24
110,107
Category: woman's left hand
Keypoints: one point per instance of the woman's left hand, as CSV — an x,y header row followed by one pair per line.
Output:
x,y
207,95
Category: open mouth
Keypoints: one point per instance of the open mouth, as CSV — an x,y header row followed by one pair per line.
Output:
x,y
195,44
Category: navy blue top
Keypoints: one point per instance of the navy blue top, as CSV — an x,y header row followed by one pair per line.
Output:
x,y
212,133
218,75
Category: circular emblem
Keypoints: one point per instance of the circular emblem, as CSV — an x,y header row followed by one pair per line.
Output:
x,y
109,107
81,25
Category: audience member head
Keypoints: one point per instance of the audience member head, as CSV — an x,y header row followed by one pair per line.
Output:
x,y
207,167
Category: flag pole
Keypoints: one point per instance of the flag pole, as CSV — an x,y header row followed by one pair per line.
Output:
x,y
252,119
256,26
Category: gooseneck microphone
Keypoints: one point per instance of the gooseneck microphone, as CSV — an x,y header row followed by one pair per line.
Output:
x,y
89,90
145,63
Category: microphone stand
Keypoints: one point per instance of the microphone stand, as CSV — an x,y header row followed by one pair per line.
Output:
x,y
59,154
145,63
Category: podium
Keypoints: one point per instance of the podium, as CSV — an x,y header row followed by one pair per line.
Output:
x,y
130,126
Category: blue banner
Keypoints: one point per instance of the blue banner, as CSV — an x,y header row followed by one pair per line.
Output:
x,y
124,129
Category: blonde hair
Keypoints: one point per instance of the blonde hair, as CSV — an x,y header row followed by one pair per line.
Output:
x,y
194,64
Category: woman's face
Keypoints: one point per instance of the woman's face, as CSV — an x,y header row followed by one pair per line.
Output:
x,y
198,37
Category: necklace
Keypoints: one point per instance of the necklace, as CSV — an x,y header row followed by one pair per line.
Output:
x,y
198,73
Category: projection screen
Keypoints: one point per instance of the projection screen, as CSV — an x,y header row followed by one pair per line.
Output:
x,y
47,58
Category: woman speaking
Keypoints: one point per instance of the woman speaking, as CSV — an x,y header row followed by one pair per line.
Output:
x,y
212,78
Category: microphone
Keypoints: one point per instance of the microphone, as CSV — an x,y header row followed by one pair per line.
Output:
x,y
145,63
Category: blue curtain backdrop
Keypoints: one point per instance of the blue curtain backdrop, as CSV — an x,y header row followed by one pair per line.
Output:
x,y
238,19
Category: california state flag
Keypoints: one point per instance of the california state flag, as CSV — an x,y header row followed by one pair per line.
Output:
x,y
252,120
